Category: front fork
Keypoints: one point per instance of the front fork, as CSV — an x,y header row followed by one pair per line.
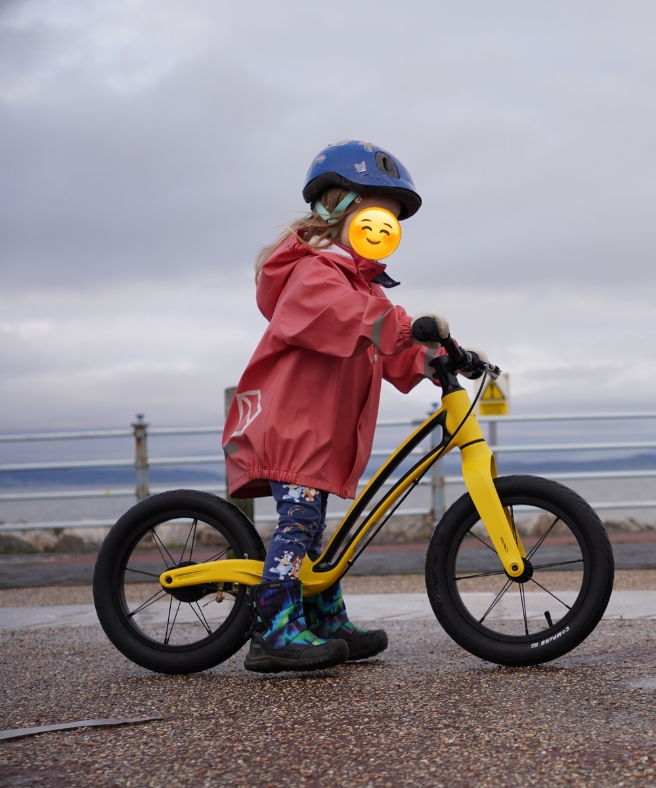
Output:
x,y
479,472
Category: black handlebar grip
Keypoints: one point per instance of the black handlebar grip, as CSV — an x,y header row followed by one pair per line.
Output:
x,y
424,329
458,355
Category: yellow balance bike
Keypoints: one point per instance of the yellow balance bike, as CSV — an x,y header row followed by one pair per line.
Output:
x,y
518,571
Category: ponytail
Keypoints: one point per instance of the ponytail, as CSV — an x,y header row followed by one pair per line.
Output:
x,y
312,230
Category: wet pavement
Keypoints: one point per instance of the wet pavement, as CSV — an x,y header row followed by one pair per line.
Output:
x,y
425,713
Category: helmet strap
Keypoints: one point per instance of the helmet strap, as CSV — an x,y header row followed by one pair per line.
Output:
x,y
342,205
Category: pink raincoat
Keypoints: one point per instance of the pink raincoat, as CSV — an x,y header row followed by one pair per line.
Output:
x,y
305,408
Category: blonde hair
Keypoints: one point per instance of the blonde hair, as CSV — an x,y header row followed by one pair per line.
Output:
x,y
311,229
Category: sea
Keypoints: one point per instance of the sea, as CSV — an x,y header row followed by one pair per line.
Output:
x,y
117,485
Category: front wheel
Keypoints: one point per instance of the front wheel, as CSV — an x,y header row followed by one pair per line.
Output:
x,y
181,630
563,593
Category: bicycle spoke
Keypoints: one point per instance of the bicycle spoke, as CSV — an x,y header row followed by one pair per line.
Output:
x,y
543,537
482,574
140,572
558,563
218,555
201,617
168,634
191,530
168,618
550,594
497,598
482,542
148,602
159,542
523,600
191,551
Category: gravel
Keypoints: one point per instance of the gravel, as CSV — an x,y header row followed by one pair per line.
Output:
x,y
424,714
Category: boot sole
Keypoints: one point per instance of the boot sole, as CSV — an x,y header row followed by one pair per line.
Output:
x,y
278,665
370,651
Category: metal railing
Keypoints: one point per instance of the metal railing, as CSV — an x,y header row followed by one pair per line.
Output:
x,y
438,481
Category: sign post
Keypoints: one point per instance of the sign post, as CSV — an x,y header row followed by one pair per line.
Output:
x,y
495,401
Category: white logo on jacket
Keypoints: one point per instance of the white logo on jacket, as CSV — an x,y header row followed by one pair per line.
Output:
x,y
250,407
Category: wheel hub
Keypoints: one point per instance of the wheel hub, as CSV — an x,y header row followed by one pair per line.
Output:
x,y
526,575
190,593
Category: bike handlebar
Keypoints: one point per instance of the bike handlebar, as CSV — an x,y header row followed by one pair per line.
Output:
x,y
424,329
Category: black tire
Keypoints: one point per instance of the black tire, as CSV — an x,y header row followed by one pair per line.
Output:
x,y
573,551
140,546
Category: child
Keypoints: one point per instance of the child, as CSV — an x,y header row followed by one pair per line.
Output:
x,y
302,421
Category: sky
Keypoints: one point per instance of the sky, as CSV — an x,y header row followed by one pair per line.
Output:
x,y
149,148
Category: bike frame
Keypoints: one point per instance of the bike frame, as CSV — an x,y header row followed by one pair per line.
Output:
x,y
460,428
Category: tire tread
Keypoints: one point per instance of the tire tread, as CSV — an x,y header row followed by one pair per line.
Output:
x,y
461,631
127,528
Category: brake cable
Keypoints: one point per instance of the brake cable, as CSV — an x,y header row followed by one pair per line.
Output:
x,y
441,449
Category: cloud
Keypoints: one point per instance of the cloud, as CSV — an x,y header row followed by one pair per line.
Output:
x,y
169,349
149,149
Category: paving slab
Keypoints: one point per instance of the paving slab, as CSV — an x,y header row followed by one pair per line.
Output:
x,y
361,607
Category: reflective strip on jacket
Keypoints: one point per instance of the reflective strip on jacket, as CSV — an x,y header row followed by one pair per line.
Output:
x,y
305,409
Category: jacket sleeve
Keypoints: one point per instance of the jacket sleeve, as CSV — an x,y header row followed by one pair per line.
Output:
x,y
319,310
409,368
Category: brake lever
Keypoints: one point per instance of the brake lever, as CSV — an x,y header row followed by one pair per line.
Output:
x,y
463,360
493,371
475,367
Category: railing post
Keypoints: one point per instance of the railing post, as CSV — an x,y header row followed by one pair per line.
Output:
x,y
245,504
438,501
492,437
140,429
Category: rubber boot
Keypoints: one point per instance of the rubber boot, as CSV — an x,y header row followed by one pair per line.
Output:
x,y
285,642
326,616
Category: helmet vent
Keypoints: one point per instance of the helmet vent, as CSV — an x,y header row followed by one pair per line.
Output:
x,y
386,164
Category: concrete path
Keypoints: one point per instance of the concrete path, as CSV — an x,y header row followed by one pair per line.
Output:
x,y
362,607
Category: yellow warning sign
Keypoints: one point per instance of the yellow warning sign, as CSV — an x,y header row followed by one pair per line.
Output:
x,y
494,401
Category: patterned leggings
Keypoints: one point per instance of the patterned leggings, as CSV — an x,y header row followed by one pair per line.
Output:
x,y
301,523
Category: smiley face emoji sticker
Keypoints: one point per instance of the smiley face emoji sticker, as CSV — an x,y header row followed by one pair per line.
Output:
x,y
374,233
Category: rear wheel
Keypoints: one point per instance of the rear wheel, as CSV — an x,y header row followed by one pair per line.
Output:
x,y
179,630
562,594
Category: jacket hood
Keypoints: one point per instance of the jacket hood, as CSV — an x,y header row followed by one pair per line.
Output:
x,y
285,257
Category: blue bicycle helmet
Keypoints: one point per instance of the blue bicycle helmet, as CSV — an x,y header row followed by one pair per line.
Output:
x,y
364,168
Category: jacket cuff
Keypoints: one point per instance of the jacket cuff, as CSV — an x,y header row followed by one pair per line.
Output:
x,y
406,331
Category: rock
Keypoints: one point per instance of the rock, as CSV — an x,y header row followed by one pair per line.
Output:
x,y
398,530
536,525
42,541
403,529
12,544
92,537
627,525
531,526
68,543
210,537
